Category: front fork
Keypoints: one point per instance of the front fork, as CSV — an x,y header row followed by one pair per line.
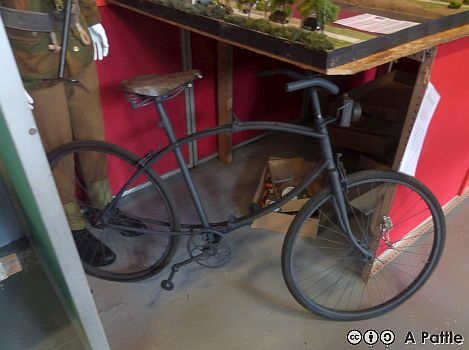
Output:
x,y
339,200
340,207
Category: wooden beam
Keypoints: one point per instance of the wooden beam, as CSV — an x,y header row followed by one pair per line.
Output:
x,y
225,98
404,50
465,184
385,199
421,83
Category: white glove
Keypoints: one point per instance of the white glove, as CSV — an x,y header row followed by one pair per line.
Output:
x,y
100,42
29,99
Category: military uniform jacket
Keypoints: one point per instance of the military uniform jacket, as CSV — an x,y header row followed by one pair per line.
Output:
x,y
34,56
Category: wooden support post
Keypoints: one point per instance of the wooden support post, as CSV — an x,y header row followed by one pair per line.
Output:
x,y
421,84
384,198
387,198
225,98
465,184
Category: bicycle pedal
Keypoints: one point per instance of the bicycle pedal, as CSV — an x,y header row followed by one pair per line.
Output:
x,y
168,284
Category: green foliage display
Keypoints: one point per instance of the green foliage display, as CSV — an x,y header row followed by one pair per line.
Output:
x,y
262,5
306,8
280,4
261,25
281,9
324,10
316,41
289,33
245,6
455,4
225,4
213,10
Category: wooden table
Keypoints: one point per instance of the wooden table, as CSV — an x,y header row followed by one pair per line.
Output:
x,y
341,61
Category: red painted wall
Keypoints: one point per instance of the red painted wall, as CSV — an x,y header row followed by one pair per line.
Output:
x,y
138,45
444,161
253,98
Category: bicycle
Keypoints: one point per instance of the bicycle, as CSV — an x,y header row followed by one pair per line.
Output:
x,y
379,237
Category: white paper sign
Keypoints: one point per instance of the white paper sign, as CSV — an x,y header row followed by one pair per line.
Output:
x,y
419,131
375,24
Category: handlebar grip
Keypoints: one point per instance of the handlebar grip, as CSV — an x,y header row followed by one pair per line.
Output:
x,y
315,82
288,72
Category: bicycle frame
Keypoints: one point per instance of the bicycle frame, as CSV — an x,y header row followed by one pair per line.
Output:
x,y
327,164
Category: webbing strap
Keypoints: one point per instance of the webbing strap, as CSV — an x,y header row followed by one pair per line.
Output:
x,y
59,5
35,21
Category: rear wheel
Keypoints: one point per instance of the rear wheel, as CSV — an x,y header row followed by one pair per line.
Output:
x,y
393,216
88,175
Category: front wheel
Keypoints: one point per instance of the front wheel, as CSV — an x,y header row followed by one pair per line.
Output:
x,y
393,216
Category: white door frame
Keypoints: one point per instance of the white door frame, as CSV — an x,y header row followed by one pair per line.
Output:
x,y
26,164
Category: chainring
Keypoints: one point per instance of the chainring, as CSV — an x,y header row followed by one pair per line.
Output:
x,y
215,246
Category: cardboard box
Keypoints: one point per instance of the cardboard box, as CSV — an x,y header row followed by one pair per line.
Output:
x,y
280,222
279,175
368,201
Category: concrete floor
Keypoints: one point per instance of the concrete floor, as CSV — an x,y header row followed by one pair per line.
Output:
x,y
246,304
33,316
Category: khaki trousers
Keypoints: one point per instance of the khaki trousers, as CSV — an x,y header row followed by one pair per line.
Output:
x,y
67,112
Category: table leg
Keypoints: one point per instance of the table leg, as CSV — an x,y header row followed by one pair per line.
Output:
x,y
385,198
225,98
465,184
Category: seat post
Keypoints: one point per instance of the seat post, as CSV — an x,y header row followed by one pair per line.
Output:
x,y
168,128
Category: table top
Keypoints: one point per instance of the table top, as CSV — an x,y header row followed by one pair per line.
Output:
x,y
353,57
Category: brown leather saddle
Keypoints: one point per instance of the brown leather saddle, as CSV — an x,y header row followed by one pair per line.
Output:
x,y
155,85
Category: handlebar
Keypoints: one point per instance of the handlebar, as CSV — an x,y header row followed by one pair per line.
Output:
x,y
314,82
302,81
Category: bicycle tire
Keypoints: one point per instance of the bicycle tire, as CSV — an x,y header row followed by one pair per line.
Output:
x,y
402,222
130,249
